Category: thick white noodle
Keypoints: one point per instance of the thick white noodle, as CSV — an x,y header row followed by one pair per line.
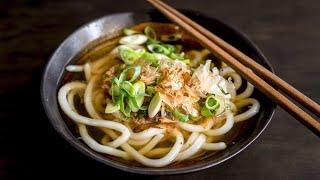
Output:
x,y
98,147
87,71
94,114
224,128
75,68
233,107
193,149
246,93
62,98
165,160
148,133
190,140
196,128
88,98
253,109
214,146
155,140
70,98
86,137
228,72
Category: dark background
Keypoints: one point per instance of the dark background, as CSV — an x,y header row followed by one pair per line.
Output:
x,y
288,32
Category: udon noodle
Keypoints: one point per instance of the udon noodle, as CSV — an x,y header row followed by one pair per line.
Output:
x,y
156,96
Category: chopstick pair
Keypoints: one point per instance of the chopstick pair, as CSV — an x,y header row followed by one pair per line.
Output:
x,y
244,64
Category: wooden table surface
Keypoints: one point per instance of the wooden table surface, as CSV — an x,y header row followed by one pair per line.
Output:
x,y
287,31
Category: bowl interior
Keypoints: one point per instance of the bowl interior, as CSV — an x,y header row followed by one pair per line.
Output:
x,y
107,26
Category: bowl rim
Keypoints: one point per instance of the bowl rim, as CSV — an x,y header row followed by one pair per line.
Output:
x,y
146,170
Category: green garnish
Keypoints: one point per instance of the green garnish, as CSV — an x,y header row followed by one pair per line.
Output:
x,y
127,31
180,116
150,33
212,103
151,90
155,105
128,55
126,96
111,108
134,75
158,48
151,58
124,108
128,88
206,112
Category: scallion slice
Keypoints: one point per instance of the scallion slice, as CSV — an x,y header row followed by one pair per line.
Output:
x,y
125,109
212,103
128,55
150,33
151,58
135,39
155,105
127,31
135,74
206,112
158,48
180,116
111,107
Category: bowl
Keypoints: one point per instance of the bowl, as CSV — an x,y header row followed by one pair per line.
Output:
x,y
110,24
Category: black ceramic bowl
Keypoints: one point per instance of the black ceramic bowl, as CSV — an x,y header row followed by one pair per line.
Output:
x,y
108,25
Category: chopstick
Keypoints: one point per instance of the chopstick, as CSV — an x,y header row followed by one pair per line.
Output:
x,y
247,61
229,54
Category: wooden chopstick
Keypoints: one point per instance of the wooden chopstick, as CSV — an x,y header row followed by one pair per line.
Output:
x,y
247,61
258,82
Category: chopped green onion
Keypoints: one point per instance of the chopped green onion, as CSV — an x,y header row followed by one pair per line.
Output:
x,y
180,116
116,81
135,39
128,55
126,110
206,112
151,58
128,88
127,31
171,37
179,57
155,105
111,107
151,90
150,33
170,47
115,92
139,88
132,102
212,103
176,56
157,48
124,74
